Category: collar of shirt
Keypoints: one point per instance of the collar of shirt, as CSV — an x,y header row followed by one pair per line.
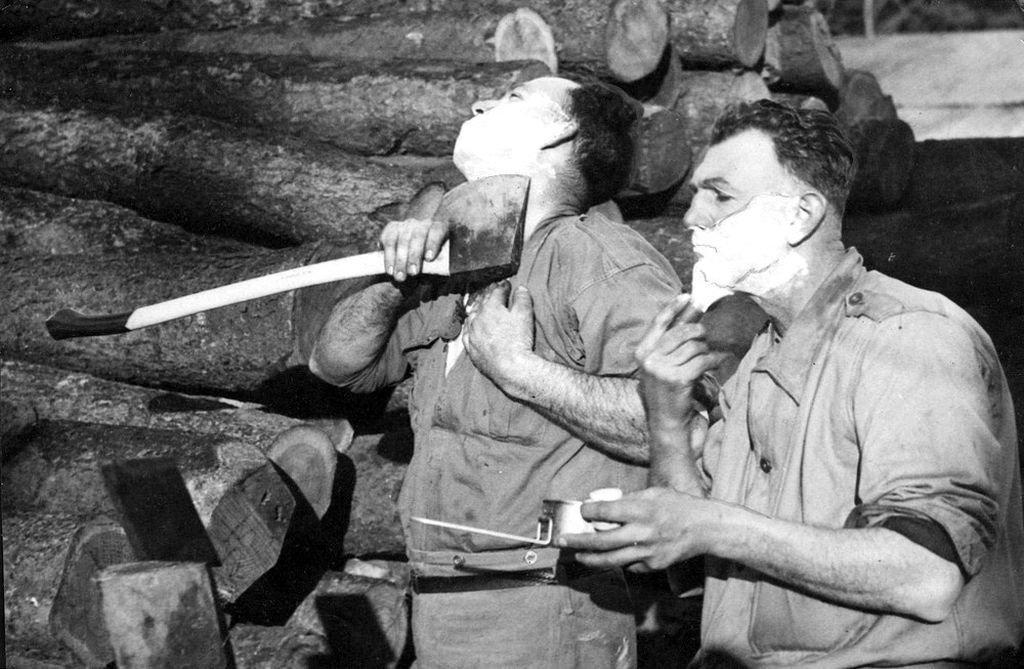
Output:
x,y
790,358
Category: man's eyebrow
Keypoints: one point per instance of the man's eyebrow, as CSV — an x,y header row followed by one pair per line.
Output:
x,y
713,182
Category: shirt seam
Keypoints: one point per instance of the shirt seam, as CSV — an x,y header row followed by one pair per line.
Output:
x,y
607,277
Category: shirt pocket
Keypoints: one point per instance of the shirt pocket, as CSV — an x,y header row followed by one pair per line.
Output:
x,y
783,620
472,404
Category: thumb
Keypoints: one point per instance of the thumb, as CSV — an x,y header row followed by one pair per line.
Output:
x,y
522,302
498,292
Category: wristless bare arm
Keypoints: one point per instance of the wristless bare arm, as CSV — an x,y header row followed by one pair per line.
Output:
x,y
869,568
355,333
605,412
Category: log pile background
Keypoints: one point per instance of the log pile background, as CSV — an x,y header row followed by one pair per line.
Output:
x,y
148,150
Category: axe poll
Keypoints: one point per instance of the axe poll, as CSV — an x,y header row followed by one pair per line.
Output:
x,y
485,237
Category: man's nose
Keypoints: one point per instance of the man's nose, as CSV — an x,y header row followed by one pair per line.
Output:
x,y
694,218
480,106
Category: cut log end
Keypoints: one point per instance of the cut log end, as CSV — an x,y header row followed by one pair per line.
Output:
x,y
524,35
636,35
719,33
76,617
306,454
162,614
861,99
750,31
800,54
885,160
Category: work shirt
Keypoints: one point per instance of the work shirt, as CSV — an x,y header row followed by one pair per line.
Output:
x,y
485,460
882,406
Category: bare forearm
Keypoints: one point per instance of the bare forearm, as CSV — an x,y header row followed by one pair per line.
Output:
x,y
356,332
673,464
872,568
606,412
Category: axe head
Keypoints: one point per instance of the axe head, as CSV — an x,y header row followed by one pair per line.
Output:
x,y
485,226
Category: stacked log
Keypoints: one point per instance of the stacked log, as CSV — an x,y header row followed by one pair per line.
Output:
x,y
800,54
52,483
202,175
802,60
366,107
248,350
452,30
34,223
686,61
433,35
253,121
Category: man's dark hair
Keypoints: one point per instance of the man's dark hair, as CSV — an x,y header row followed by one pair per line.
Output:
x,y
808,142
604,143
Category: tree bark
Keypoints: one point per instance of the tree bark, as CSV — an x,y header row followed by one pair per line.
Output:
x,y
718,34
34,223
885,162
365,107
398,35
706,95
60,395
801,56
343,28
56,19
202,175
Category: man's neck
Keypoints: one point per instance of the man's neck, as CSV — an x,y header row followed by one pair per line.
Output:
x,y
785,302
547,201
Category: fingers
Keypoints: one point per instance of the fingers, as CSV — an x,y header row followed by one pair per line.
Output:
x,y
660,324
682,369
626,546
676,314
607,540
405,243
436,235
633,557
388,242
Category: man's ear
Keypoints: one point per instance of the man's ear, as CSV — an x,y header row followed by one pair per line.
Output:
x,y
561,131
809,211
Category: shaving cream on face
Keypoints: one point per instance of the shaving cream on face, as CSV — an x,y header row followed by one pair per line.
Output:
x,y
746,251
509,137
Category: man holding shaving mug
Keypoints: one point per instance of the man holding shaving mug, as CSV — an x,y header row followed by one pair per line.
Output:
x,y
859,502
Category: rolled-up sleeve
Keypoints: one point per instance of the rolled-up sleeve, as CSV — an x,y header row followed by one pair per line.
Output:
x,y
416,328
926,424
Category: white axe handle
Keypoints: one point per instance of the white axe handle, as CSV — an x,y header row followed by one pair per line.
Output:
x,y
68,323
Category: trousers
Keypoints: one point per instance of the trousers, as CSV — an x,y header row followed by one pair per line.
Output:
x,y
587,623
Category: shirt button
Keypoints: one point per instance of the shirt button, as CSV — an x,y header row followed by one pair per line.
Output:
x,y
766,466
530,557
856,298
458,560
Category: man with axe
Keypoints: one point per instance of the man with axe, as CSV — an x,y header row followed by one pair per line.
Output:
x,y
523,390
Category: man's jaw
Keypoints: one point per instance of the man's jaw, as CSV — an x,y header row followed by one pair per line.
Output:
x,y
704,293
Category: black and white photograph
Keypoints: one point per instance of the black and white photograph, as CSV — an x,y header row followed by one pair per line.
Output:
x,y
526,334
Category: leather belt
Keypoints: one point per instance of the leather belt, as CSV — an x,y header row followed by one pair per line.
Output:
x,y
493,580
